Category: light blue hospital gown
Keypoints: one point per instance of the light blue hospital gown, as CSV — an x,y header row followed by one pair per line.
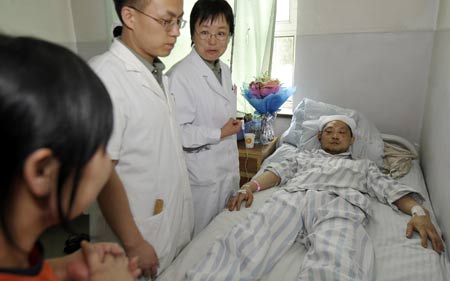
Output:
x,y
323,204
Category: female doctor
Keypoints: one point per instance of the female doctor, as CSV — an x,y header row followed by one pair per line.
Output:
x,y
206,108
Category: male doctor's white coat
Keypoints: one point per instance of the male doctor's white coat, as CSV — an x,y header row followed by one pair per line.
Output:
x,y
147,144
203,108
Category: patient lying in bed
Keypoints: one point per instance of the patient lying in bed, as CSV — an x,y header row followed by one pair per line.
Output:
x,y
323,204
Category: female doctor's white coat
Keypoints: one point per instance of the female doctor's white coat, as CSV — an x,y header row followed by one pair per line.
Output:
x,y
146,142
203,107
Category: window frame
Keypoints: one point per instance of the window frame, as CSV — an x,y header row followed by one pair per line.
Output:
x,y
288,29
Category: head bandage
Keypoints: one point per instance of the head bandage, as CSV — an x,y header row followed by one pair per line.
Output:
x,y
323,120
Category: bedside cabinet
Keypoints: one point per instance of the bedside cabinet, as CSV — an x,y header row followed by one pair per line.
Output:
x,y
250,159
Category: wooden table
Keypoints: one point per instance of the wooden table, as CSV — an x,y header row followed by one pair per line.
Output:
x,y
250,159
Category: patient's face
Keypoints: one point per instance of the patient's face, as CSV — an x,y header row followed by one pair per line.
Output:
x,y
336,137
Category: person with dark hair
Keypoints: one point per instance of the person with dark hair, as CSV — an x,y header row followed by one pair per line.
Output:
x,y
56,119
147,202
206,107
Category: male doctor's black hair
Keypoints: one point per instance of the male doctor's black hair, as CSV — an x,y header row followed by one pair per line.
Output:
x,y
209,10
49,98
119,4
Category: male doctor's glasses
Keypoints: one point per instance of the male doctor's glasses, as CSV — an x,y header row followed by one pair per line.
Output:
x,y
166,24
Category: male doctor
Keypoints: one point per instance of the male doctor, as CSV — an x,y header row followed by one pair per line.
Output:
x,y
150,177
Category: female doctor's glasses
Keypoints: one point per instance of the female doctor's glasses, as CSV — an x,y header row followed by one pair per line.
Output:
x,y
166,24
206,35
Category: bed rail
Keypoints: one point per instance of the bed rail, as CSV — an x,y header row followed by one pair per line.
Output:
x,y
393,139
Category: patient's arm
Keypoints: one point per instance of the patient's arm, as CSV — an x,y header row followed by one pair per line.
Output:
x,y
265,180
420,223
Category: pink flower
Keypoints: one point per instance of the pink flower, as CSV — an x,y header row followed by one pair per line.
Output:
x,y
263,86
270,88
255,89
265,92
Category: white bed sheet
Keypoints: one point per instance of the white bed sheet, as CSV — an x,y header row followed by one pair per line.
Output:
x,y
396,257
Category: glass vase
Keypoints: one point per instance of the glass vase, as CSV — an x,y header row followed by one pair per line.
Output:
x,y
256,128
267,133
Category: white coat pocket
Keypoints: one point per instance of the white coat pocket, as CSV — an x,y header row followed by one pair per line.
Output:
x,y
201,167
150,229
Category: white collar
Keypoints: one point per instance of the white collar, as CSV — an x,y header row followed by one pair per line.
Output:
x,y
346,154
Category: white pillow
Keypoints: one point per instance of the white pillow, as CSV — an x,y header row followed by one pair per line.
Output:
x,y
304,128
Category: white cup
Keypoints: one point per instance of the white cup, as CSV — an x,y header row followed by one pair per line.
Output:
x,y
249,140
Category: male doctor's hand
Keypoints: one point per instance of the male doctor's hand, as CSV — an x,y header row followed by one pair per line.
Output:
x,y
148,260
232,127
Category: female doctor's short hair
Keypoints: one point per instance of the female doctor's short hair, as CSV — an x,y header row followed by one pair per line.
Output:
x,y
49,98
209,10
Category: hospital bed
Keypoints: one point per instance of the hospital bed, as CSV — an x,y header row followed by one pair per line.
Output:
x,y
396,257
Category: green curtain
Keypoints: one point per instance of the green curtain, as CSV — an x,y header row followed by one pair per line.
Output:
x,y
252,43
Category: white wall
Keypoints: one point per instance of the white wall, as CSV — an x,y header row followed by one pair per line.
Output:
x,y
435,154
81,25
47,19
354,16
92,25
373,56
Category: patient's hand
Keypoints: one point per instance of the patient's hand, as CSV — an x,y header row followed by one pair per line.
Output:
x,y
244,194
426,229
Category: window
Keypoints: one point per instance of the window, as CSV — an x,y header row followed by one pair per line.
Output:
x,y
283,56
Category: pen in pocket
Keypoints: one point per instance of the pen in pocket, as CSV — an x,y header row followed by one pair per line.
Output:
x,y
159,204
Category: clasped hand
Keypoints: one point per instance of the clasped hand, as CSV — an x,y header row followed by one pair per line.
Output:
x,y
100,261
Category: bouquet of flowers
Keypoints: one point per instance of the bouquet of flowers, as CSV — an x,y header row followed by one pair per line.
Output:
x,y
266,95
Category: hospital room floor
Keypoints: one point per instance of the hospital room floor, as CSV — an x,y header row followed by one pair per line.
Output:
x,y
54,238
